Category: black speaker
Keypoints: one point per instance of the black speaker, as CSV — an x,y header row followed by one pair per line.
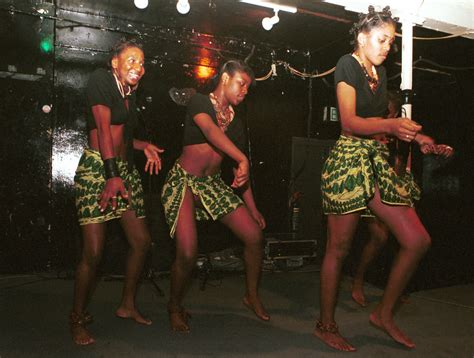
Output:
x,y
307,158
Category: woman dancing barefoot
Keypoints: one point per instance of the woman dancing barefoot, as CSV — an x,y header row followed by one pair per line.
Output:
x,y
357,176
194,189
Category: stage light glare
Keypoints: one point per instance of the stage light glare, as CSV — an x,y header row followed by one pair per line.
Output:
x,y
183,6
46,45
141,4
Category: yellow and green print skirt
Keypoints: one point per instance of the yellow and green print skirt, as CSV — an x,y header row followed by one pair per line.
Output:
x,y
89,183
217,197
353,168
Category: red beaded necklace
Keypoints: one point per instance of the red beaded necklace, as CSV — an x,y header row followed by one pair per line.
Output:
x,y
373,81
224,115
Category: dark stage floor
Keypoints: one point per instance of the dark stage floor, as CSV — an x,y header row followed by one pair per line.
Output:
x,y
34,311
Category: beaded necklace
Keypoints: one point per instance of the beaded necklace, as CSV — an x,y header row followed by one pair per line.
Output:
x,y
373,81
224,115
121,89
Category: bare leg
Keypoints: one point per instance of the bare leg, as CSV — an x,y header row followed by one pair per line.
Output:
x,y
247,230
139,240
414,242
378,238
341,229
93,244
186,254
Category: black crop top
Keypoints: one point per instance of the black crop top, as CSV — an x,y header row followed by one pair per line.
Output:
x,y
102,89
368,104
201,103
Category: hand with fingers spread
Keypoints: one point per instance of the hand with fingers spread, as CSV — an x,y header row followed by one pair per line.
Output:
x,y
438,149
443,150
153,163
241,174
113,188
405,129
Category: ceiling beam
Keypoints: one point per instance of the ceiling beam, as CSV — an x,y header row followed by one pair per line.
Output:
x,y
452,17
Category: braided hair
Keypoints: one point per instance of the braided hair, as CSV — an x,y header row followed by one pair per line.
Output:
x,y
371,20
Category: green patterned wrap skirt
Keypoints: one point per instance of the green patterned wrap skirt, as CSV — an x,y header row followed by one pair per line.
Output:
x,y
217,197
351,171
89,183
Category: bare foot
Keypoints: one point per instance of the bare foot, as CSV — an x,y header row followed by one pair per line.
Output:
x,y
388,326
80,335
405,298
256,306
329,334
127,313
178,319
358,295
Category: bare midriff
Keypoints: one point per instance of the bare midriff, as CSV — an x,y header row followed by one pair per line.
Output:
x,y
201,159
117,132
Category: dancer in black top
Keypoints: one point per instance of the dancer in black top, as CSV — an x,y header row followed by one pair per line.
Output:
x,y
357,176
378,231
108,186
194,189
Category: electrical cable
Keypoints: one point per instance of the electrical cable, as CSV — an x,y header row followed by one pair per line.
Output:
x,y
452,68
439,37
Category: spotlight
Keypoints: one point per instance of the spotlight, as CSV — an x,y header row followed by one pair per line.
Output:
x,y
46,108
183,6
141,4
268,22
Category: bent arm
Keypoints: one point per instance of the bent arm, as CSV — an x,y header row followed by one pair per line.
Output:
x,y
114,185
217,138
353,124
403,128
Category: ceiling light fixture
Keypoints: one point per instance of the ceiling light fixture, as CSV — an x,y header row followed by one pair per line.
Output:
x,y
268,22
141,4
183,6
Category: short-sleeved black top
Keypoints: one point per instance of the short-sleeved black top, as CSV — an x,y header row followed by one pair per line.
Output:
x,y
201,103
102,89
368,103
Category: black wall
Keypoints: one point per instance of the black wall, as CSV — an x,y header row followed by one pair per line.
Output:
x,y
40,150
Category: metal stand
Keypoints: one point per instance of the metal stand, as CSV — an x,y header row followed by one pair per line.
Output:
x,y
150,276
204,271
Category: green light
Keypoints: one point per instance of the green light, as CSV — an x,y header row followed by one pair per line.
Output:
x,y
46,45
